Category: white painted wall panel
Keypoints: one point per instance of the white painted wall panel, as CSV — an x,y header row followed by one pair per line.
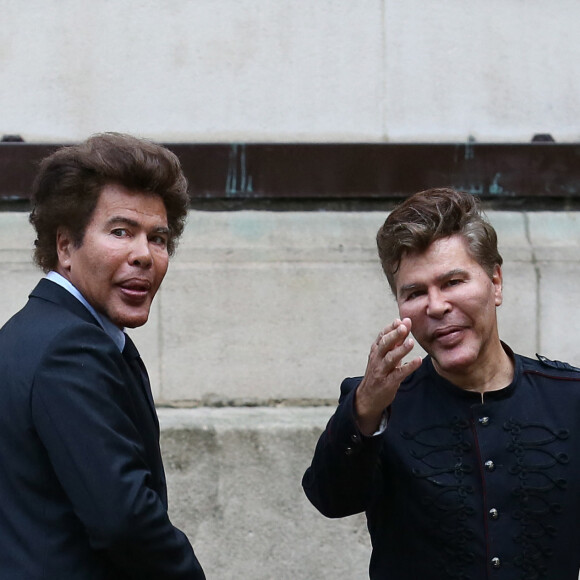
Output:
x,y
290,70
494,69
192,70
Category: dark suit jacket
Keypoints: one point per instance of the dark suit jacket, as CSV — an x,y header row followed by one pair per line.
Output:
x,y
82,487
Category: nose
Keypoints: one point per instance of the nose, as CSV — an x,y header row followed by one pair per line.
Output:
x,y
140,252
437,305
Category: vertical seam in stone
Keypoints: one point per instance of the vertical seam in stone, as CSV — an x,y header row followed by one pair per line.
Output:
x,y
538,276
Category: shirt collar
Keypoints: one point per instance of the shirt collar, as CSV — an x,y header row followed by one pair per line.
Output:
x,y
106,324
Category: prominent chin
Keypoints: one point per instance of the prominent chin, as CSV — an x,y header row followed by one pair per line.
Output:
x,y
453,362
131,319
135,322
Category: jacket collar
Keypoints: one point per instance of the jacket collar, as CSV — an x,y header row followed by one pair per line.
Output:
x,y
52,292
105,323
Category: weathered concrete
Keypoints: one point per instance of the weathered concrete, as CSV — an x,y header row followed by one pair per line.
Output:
x,y
260,307
290,70
270,306
235,487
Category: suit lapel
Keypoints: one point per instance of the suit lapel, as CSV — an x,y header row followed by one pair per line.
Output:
x,y
131,355
48,290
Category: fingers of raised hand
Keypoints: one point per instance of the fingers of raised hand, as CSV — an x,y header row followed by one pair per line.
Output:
x,y
391,336
392,359
385,369
391,346
403,370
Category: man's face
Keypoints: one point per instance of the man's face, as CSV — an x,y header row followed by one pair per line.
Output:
x,y
123,257
451,302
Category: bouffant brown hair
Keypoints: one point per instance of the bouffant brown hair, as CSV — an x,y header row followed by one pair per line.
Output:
x,y
67,187
430,215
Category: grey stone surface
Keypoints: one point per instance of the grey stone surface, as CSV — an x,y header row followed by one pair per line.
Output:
x,y
260,307
234,479
559,315
555,236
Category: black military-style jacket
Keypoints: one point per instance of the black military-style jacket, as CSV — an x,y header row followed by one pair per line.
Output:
x,y
462,486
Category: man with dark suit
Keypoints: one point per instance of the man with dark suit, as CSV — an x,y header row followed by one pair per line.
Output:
x,y
81,478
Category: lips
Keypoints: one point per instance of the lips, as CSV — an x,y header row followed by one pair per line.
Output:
x,y
135,288
448,335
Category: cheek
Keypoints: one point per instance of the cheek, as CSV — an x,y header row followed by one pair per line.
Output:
x,y
405,311
410,310
161,265
481,309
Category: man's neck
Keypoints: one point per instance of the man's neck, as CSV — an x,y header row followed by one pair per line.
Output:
x,y
494,372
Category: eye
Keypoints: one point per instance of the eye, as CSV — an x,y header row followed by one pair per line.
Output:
x,y
454,282
414,294
159,240
120,232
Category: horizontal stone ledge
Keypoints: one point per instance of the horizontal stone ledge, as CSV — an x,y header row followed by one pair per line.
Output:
x,y
243,419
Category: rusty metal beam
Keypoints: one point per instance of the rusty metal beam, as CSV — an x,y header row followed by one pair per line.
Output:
x,y
345,171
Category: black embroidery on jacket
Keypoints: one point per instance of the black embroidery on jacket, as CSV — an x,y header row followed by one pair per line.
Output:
x,y
535,497
441,450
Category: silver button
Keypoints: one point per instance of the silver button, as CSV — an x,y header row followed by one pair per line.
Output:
x,y
495,562
348,451
355,438
484,421
493,514
490,465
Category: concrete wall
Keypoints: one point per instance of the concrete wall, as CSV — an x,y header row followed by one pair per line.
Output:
x,y
287,70
234,483
262,314
259,319
265,307
270,307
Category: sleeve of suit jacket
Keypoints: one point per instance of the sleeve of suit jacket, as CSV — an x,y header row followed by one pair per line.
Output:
x,y
82,409
339,482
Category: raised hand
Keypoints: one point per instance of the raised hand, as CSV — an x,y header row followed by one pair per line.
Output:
x,y
384,373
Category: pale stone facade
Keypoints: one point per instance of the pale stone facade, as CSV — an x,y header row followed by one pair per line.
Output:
x,y
263,313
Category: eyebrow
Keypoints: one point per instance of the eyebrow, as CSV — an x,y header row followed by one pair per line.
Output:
x,y
451,273
133,223
440,278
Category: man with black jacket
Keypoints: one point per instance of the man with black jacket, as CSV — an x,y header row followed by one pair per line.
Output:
x,y
465,462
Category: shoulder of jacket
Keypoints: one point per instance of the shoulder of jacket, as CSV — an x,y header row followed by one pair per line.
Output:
x,y
349,384
417,377
556,364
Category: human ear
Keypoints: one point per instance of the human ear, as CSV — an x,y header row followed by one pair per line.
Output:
x,y
64,247
497,281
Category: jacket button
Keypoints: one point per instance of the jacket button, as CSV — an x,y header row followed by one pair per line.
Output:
x,y
490,465
348,451
493,514
484,421
495,562
355,438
